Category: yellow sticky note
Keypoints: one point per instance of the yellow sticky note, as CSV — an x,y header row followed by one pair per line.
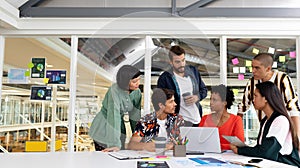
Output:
x,y
30,65
250,69
248,63
27,73
282,58
46,80
255,51
235,91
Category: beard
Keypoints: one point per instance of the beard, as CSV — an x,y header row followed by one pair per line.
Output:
x,y
179,70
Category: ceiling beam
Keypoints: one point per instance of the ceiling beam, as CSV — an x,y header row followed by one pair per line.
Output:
x,y
174,8
245,12
159,12
29,4
95,12
196,5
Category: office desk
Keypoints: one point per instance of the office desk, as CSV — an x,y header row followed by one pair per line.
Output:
x,y
101,160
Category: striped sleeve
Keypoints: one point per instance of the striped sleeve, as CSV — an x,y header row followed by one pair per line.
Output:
x,y
248,94
289,94
246,98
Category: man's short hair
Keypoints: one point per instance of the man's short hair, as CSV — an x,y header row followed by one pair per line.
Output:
x,y
175,51
161,96
265,58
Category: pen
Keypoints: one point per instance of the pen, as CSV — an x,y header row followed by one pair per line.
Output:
x,y
186,142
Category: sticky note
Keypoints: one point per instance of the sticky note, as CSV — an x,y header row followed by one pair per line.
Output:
x,y
30,65
292,54
274,65
235,61
241,77
27,73
235,91
242,69
46,80
255,51
271,50
282,58
248,63
236,69
250,69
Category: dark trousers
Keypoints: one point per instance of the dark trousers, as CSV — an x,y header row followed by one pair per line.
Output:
x,y
99,146
190,124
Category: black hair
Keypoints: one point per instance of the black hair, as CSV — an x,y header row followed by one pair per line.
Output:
x,y
161,96
225,93
265,58
175,51
272,94
125,74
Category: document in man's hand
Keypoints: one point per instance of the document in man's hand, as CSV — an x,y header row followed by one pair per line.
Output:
x,y
131,154
234,140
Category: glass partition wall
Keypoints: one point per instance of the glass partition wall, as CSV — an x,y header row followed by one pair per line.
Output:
x,y
27,113
240,52
34,93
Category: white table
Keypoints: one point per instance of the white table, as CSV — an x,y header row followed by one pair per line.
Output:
x,y
101,160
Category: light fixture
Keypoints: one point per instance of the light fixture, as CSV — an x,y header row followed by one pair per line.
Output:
x,y
49,66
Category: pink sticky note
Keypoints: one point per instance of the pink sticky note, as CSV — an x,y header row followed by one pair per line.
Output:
x,y
235,61
241,77
293,54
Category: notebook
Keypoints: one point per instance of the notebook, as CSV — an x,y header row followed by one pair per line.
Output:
x,y
202,139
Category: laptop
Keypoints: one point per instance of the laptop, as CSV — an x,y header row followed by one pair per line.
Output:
x,y
201,139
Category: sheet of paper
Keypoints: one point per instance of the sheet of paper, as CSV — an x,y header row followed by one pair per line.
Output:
x,y
131,154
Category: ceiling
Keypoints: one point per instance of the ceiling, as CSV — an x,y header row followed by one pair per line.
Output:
x,y
160,8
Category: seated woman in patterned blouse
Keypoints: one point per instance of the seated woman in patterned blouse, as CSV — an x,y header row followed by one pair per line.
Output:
x,y
161,123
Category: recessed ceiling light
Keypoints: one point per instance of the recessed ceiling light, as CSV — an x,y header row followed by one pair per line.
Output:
x,y
49,66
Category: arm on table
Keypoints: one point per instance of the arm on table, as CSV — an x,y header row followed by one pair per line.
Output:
x,y
136,144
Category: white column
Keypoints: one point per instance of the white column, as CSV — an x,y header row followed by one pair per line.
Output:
x,y
298,64
2,48
73,81
223,60
147,75
53,125
42,121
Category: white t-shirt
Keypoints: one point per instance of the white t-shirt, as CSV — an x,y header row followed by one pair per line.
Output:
x,y
280,129
162,129
189,113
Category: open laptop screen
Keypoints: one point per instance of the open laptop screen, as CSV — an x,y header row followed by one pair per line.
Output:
x,y
202,139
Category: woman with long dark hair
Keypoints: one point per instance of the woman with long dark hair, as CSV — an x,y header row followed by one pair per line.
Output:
x,y
277,139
